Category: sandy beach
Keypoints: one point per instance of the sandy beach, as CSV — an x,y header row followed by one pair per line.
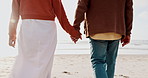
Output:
x,y
79,66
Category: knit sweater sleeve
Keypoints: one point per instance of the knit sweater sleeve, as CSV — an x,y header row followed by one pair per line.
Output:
x,y
80,13
61,15
128,16
14,18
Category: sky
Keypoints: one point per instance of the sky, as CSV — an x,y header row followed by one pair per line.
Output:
x,y
140,23
139,32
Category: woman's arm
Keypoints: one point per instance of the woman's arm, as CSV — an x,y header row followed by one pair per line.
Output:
x,y
61,15
13,22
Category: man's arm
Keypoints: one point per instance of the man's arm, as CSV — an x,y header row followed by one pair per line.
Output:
x,y
80,13
128,21
128,16
13,22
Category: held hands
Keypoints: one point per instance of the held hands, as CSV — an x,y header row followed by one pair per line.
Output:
x,y
12,41
75,35
75,39
125,40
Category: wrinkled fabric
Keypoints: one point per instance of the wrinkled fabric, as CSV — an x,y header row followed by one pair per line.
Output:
x,y
36,46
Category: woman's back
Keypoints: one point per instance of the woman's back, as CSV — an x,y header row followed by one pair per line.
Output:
x,y
34,9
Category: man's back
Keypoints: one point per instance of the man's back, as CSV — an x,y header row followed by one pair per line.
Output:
x,y
106,16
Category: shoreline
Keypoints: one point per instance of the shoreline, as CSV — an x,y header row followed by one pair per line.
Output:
x,y
58,54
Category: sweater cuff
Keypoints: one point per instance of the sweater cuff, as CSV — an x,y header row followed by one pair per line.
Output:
x,y
128,34
73,32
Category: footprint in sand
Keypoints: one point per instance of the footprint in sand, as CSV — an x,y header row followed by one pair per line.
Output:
x,y
67,72
121,76
124,76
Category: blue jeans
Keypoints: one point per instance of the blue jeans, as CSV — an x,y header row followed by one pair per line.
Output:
x,y
103,57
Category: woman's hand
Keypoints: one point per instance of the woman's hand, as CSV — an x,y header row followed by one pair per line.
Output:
x,y
12,41
74,33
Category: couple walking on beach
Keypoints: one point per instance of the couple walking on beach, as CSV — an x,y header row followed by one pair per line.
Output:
x,y
106,23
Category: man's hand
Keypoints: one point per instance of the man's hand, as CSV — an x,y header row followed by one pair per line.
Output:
x,y
74,39
12,42
125,40
75,35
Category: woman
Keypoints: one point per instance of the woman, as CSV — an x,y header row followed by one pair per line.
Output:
x,y
37,37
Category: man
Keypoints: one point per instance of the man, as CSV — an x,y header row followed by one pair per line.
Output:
x,y
106,22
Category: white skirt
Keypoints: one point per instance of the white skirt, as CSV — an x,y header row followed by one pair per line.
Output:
x,y
36,43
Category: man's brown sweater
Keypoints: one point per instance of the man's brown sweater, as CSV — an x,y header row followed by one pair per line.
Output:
x,y
103,16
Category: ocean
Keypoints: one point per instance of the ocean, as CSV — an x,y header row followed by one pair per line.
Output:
x,y
83,47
